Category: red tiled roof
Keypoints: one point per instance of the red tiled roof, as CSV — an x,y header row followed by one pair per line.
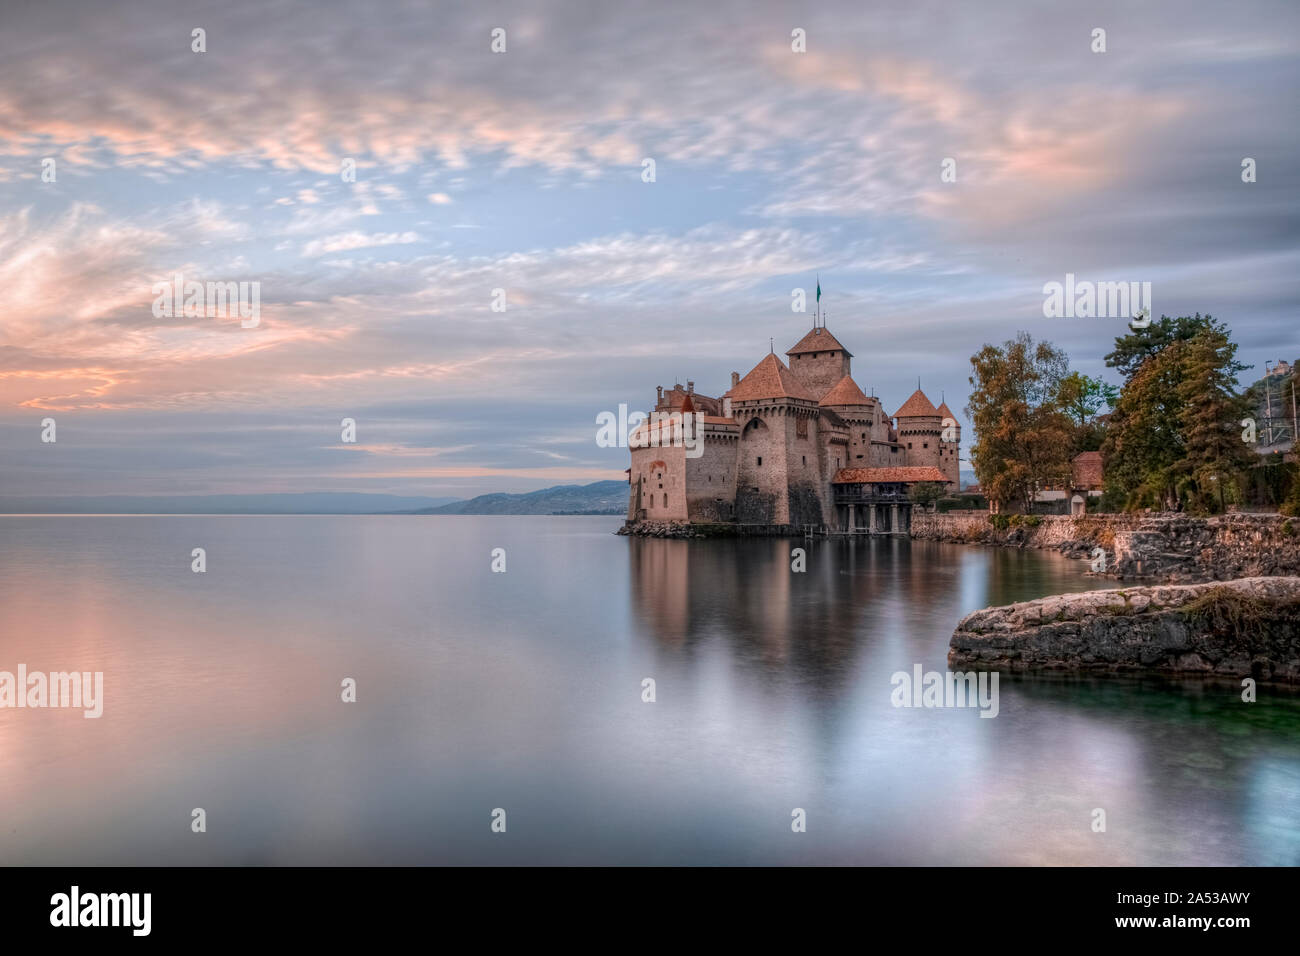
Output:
x,y
818,340
945,411
845,392
769,379
917,405
857,476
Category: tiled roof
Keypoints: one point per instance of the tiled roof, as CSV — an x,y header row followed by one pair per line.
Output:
x,y
857,476
946,412
917,405
769,379
818,340
845,392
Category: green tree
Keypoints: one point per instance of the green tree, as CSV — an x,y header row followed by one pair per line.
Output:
x,y
925,493
1215,459
1023,438
1174,438
1082,397
1138,345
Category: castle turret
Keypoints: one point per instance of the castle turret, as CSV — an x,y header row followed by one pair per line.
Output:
x,y
818,361
949,446
919,430
778,474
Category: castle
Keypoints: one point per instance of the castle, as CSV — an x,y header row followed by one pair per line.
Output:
x,y
790,446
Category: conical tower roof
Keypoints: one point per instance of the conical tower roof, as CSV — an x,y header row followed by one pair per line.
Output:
x,y
845,392
769,379
918,406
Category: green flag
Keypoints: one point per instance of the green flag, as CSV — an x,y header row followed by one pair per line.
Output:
x,y
819,290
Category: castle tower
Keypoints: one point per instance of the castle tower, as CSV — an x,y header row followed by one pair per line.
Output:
x,y
778,471
818,361
919,430
859,413
949,451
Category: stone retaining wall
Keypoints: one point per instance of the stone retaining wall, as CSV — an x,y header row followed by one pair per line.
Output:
x,y
1164,547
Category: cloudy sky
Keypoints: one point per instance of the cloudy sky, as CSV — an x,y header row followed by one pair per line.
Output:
x,y
522,171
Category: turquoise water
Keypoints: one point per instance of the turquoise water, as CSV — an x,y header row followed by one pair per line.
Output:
x,y
523,691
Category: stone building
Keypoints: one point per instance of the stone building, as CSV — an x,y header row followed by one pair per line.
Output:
x,y
790,446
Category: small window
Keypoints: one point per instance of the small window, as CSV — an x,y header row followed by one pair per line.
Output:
x,y
760,461
805,459
859,456
925,444
665,499
909,446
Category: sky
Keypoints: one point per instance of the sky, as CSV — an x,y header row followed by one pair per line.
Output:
x,y
524,171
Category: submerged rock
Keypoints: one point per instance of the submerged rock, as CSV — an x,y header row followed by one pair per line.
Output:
x,y
1244,628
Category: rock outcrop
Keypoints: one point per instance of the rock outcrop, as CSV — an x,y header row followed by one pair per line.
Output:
x,y
1244,628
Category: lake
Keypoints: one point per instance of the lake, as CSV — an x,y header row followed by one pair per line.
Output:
x,y
522,691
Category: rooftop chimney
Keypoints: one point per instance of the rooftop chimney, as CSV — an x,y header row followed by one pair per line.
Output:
x,y
735,379
690,387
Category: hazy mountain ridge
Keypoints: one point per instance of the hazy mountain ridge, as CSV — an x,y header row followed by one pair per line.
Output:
x,y
601,497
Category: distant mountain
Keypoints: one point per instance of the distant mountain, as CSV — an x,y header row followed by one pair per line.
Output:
x,y
306,503
600,497
965,477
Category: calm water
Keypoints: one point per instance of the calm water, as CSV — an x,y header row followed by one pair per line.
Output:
x,y
523,691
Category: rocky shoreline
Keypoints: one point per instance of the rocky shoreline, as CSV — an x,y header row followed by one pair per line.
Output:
x,y
1243,628
1170,548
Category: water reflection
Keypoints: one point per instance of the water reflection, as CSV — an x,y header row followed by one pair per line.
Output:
x,y
523,690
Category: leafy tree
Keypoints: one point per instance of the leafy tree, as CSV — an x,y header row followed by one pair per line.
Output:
x,y
1082,397
1023,438
1174,438
1215,459
925,493
1143,443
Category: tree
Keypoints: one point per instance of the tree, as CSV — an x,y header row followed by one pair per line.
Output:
x,y
1174,438
1082,397
1143,442
1134,348
1023,439
1215,459
925,493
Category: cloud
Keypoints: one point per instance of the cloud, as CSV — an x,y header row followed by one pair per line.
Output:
x,y
348,241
